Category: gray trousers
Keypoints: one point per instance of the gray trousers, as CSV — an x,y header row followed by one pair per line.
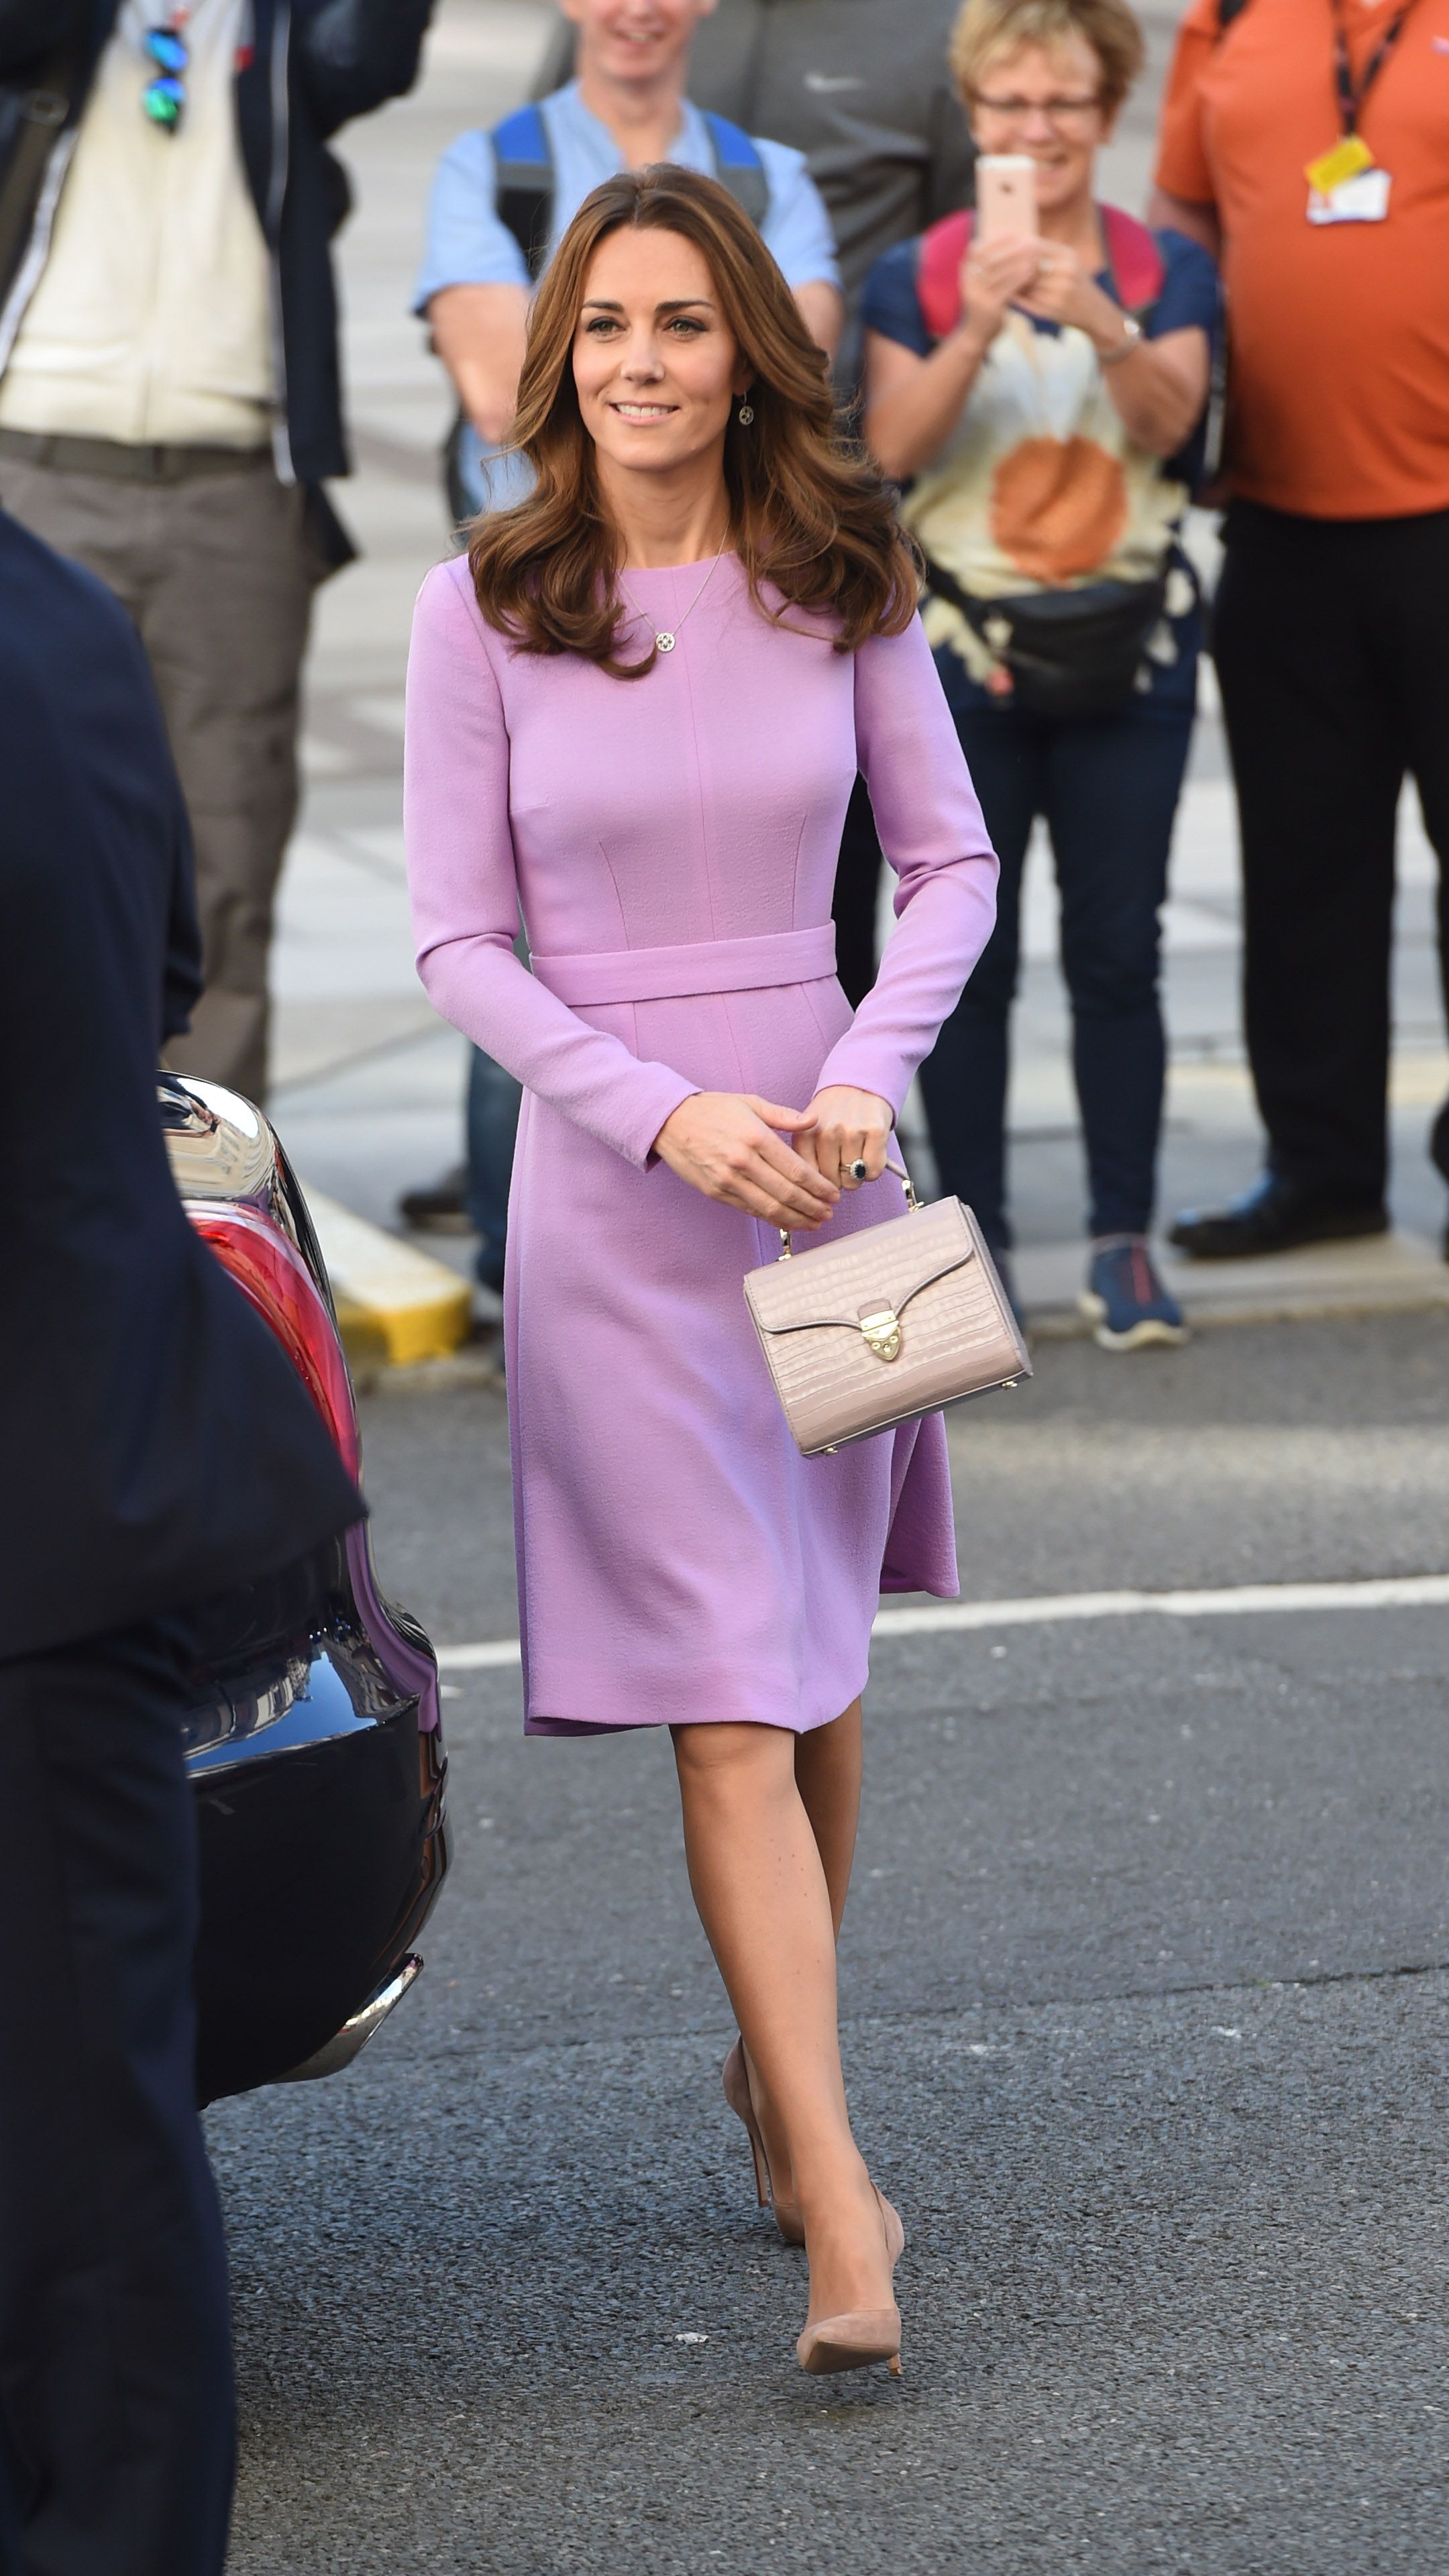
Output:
x,y
218,572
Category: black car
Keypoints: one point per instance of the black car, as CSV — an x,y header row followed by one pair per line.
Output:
x,y
313,1743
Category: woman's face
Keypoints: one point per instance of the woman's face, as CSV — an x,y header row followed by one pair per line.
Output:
x,y
656,365
1044,100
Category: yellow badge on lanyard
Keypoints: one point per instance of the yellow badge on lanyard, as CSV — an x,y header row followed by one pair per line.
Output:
x,y
1345,184
1348,156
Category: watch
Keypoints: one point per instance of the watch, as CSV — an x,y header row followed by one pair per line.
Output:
x,y
1131,339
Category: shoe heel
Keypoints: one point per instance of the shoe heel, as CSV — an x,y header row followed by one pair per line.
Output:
x,y
762,2174
736,2082
894,2365
737,2095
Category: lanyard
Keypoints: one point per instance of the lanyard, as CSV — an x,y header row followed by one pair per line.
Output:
x,y
1351,95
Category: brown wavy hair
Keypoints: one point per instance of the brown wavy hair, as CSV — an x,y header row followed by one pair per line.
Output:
x,y
809,512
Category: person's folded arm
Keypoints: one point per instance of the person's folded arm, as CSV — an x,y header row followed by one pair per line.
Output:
x,y
822,310
464,889
354,55
479,333
912,404
933,836
473,287
1160,390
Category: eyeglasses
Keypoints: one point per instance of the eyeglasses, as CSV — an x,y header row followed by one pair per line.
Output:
x,y
1057,111
164,96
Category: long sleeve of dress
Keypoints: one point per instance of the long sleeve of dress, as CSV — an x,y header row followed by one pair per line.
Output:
x,y
933,835
464,890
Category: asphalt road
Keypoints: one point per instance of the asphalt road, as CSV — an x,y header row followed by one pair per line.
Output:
x,y
1146,1992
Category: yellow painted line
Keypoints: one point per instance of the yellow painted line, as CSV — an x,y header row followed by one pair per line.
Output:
x,y
394,1303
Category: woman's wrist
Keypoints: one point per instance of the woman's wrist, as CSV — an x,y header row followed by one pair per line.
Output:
x,y
974,334
1115,335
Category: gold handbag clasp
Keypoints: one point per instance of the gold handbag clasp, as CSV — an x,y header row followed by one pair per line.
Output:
x,y
881,1333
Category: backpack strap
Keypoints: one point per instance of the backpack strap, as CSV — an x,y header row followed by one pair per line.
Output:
x,y
738,167
1136,263
524,182
1133,257
938,271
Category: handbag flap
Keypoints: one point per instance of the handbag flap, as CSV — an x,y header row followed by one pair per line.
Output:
x,y
882,1266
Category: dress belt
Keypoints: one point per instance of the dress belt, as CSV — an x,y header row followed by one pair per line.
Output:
x,y
699,966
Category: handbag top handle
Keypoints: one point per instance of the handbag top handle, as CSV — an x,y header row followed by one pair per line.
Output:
x,y
912,1202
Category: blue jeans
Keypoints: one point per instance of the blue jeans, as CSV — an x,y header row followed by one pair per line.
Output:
x,y
1108,787
493,1104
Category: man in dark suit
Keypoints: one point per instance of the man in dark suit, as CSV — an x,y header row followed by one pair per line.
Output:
x,y
156,1448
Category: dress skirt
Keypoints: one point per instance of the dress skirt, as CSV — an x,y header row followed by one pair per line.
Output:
x,y
679,1560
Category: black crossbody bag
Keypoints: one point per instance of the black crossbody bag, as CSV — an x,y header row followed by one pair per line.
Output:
x,y
1069,652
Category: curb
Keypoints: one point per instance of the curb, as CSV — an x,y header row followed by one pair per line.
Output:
x,y
1388,1274
396,1306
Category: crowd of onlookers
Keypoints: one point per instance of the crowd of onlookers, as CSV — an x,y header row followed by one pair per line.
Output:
x,y
1050,380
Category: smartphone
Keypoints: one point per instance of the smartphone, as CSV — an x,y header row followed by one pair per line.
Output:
x,y
1005,196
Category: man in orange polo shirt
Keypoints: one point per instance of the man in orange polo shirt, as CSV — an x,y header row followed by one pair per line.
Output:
x,y
1308,142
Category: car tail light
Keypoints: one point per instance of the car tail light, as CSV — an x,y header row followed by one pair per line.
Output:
x,y
271,1272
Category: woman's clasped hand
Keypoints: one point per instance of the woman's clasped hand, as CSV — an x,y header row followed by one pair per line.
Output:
x,y
994,276
1048,280
728,1145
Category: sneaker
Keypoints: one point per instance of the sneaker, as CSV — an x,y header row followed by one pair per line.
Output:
x,y
1126,1300
442,1209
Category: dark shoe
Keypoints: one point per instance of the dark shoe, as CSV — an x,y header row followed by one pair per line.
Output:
x,y
441,1210
1126,1300
1274,1216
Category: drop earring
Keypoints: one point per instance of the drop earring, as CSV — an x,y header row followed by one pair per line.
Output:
x,y
745,414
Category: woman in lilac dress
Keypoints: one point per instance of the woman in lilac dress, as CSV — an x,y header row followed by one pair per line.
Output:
x,y
635,711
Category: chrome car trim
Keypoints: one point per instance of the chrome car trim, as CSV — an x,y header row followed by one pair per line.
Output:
x,y
354,2035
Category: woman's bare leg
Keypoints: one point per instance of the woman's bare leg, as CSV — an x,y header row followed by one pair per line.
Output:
x,y
763,1898
827,1775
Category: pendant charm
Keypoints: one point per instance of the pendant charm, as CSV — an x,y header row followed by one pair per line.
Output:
x,y
664,643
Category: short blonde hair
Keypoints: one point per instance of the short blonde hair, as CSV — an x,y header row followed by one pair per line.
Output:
x,y
986,28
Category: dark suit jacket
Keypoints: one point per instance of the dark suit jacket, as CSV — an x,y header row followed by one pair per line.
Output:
x,y
155,1445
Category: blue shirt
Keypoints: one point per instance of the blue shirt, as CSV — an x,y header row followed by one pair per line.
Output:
x,y
467,245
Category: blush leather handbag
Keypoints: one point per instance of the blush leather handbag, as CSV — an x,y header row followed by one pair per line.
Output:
x,y
885,1324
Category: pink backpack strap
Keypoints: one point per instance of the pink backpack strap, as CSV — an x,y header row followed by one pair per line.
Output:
x,y
1132,255
938,272
1135,261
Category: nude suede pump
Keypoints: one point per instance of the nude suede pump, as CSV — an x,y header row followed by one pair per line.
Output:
x,y
861,2335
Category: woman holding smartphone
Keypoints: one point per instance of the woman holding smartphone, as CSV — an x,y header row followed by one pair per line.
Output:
x,y
1037,378
637,708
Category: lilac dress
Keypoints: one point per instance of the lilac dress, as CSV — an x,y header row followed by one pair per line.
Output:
x,y
672,843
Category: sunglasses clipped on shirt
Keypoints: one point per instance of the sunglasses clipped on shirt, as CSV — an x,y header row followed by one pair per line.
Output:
x,y
164,96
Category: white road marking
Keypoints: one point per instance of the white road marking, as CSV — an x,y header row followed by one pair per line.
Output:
x,y
1381,1592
